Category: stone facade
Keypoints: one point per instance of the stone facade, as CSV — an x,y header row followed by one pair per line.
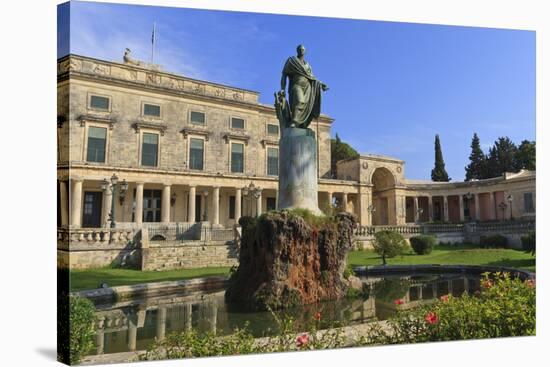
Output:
x,y
129,103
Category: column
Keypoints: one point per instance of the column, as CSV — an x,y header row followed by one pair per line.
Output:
x,y
100,341
191,206
430,209
478,209
165,205
276,199
64,202
445,209
132,335
107,204
238,199
138,213
161,323
216,205
345,201
259,204
492,207
329,198
415,208
461,207
76,202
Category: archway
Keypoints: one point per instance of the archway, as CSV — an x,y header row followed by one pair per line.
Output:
x,y
383,197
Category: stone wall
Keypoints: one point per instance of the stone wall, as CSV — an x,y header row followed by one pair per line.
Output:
x,y
166,255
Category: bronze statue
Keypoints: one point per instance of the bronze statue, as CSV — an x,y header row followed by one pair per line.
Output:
x,y
304,92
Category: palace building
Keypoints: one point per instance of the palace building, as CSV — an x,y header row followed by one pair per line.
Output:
x,y
188,150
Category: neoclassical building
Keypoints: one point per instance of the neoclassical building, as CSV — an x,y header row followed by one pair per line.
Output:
x,y
187,149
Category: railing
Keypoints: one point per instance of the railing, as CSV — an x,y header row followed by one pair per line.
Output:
x,y
173,232
366,231
218,234
504,227
443,228
94,236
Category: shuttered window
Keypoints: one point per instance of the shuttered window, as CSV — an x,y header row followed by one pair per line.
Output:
x,y
97,138
149,150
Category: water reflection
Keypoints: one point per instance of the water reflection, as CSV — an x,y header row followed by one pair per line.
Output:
x,y
130,326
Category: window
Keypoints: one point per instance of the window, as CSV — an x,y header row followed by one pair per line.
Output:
x,y
152,202
272,161
197,118
237,157
273,129
231,207
271,204
149,150
99,102
237,123
151,110
196,154
97,137
528,204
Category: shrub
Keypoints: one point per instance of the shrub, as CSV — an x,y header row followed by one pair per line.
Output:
x,y
81,324
528,243
388,244
494,241
504,307
423,245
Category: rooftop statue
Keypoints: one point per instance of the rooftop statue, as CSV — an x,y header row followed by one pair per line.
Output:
x,y
304,92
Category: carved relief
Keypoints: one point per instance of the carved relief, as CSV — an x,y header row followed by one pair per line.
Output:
x,y
238,96
70,65
152,78
398,169
365,165
168,82
130,74
198,88
219,92
101,69
180,84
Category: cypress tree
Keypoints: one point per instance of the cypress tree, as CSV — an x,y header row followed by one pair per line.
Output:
x,y
477,169
526,156
438,173
340,150
502,157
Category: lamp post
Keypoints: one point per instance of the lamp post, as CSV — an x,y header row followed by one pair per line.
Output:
x,y
510,199
419,212
469,196
113,185
249,192
205,215
502,206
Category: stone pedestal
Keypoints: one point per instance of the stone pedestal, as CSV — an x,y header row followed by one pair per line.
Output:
x,y
298,170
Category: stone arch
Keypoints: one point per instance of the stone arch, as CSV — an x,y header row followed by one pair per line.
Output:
x,y
383,196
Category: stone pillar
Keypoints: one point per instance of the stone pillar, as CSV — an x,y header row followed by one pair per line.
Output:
x,y
107,206
138,213
477,207
237,204
213,316
188,316
259,204
492,207
216,205
345,202
76,203
161,323
461,207
329,198
165,204
445,209
100,341
132,335
415,208
191,206
430,209
64,203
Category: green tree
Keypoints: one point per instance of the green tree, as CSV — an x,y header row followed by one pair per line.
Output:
x,y
477,168
339,151
501,158
388,244
439,173
526,156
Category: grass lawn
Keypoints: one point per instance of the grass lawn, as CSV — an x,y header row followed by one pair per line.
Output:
x,y
92,278
463,254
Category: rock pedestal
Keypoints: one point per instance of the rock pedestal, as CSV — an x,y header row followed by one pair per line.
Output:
x,y
285,261
298,170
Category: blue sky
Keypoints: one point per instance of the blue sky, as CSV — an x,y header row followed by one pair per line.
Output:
x,y
393,86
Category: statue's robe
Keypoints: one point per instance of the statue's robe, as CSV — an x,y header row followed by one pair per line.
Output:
x,y
304,92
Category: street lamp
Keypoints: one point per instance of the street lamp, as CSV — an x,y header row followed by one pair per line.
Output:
x,y
205,215
510,199
502,206
249,192
371,210
419,212
469,196
112,186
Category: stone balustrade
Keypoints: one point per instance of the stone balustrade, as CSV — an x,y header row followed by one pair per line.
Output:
x,y
76,238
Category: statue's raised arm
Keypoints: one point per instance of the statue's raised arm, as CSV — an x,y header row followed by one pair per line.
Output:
x,y
304,92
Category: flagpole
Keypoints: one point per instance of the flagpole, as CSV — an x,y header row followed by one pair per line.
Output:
x,y
153,44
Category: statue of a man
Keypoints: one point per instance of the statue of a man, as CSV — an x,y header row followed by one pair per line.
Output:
x,y
304,92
